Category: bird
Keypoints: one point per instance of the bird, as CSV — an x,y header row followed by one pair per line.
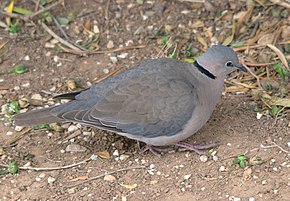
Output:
x,y
160,102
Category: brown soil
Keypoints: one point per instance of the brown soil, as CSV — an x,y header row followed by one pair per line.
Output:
x,y
177,175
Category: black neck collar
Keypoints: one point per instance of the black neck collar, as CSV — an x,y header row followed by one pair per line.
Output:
x,y
203,70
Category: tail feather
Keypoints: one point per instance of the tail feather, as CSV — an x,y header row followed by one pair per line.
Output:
x,y
34,117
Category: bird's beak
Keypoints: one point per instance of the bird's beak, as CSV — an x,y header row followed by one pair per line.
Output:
x,y
241,67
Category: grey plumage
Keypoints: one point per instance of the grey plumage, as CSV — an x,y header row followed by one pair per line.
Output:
x,y
160,102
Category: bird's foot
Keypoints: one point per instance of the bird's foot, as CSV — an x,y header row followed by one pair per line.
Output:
x,y
155,150
197,148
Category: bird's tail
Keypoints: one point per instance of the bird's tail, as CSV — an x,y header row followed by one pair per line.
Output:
x,y
34,117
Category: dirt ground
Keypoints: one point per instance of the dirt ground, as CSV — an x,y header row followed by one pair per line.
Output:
x,y
177,175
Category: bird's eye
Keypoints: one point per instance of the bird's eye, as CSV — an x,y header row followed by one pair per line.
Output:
x,y
229,64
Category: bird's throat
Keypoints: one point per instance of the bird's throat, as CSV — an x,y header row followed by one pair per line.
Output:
x,y
203,70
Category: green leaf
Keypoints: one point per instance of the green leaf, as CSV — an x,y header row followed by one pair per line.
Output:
x,y
71,16
14,28
275,110
28,156
239,44
164,40
140,1
241,160
281,71
46,17
12,107
19,69
268,87
40,126
42,2
63,20
13,167
22,11
228,40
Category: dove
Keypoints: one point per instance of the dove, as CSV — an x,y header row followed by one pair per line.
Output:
x,y
160,102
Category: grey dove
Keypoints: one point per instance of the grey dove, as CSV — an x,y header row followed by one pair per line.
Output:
x,y
160,102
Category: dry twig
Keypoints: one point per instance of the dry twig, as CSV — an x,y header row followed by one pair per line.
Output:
x,y
274,145
102,175
54,35
52,168
88,52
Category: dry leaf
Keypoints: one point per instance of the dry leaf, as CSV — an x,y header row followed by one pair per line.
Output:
x,y
197,24
88,25
266,39
104,154
129,186
236,89
285,102
280,55
201,40
9,10
79,178
285,42
272,100
229,39
245,16
71,85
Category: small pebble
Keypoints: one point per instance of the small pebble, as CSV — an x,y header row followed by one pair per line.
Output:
x,y
62,151
151,171
106,71
42,175
152,166
275,169
93,157
75,148
26,85
109,178
186,177
26,58
18,128
71,190
222,168
37,179
215,158
72,128
123,55
87,133
113,59
9,133
124,157
233,198
264,182
116,153
49,45
16,88
153,182
110,44
203,158
251,199
259,115
284,164
50,180
96,29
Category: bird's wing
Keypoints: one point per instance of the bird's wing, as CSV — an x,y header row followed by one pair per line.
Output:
x,y
156,102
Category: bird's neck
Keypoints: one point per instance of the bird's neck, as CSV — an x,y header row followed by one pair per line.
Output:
x,y
203,70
